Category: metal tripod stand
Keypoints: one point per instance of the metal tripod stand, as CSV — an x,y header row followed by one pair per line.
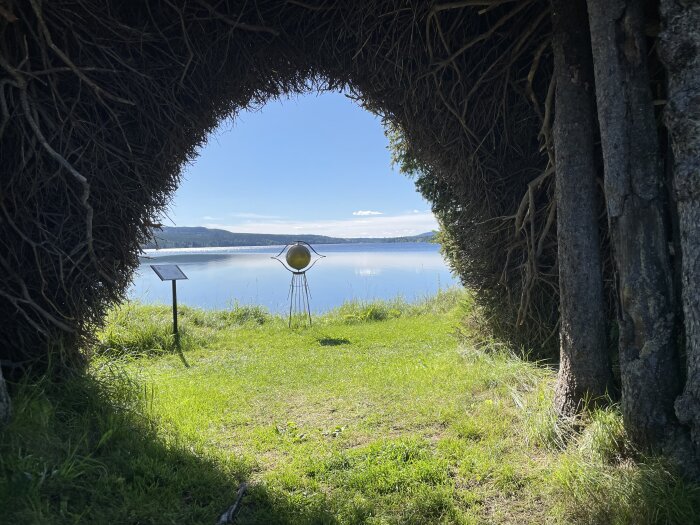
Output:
x,y
297,261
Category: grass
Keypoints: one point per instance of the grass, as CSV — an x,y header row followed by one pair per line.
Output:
x,y
87,451
381,413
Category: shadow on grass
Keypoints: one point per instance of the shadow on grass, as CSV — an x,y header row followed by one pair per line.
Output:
x,y
265,507
86,451
333,341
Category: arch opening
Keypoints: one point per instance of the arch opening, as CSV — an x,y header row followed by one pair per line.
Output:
x,y
314,168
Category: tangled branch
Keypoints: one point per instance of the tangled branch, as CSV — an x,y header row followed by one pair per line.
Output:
x,y
103,102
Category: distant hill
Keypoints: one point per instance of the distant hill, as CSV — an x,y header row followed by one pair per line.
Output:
x,y
200,237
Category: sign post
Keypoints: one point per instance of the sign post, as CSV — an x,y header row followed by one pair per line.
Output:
x,y
172,272
175,332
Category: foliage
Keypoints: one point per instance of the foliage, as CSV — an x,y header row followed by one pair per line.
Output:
x,y
488,242
395,422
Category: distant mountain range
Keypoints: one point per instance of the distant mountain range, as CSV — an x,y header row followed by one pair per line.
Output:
x,y
200,237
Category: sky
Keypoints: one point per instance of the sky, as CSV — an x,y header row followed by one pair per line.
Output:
x,y
310,164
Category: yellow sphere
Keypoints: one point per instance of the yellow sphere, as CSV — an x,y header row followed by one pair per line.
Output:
x,y
298,257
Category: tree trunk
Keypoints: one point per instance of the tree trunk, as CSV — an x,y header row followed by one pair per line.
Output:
x,y
680,51
584,368
634,182
4,401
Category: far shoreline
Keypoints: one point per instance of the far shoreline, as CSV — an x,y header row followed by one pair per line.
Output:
x,y
201,237
267,247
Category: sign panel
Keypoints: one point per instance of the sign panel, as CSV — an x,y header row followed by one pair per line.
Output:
x,y
168,272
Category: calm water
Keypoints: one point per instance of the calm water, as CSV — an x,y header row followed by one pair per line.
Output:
x,y
218,277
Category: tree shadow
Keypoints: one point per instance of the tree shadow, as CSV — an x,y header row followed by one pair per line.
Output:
x,y
333,341
262,506
87,451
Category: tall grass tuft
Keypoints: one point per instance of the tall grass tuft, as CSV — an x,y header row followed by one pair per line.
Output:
x,y
356,311
237,315
644,493
604,438
136,330
598,477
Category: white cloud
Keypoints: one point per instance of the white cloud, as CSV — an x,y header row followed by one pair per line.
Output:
x,y
363,213
209,218
364,226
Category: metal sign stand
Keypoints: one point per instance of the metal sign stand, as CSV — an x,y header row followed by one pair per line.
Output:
x,y
175,331
173,273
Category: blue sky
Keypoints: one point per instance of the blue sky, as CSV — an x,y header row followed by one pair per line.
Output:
x,y
314,164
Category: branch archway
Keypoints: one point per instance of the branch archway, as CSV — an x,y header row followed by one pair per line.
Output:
x,y
102,103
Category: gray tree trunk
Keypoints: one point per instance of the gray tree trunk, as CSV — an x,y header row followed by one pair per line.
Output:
x,y
584,366
680,51
4,401
634,182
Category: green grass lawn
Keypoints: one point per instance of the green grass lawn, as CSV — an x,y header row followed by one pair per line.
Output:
x,y
380,414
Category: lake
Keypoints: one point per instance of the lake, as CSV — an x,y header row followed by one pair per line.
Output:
x,y
220,277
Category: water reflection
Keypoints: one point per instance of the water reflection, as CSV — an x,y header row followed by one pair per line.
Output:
x,y
368,272
220,276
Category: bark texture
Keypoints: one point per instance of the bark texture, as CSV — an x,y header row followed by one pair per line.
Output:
x,y
584,366
4,401
634,186
680,51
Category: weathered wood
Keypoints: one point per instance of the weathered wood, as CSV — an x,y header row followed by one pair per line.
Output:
x,y
5,406
230,514
634,182
585,369
679,49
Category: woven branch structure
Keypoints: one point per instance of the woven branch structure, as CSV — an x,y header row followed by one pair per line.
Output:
x,y
102,103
